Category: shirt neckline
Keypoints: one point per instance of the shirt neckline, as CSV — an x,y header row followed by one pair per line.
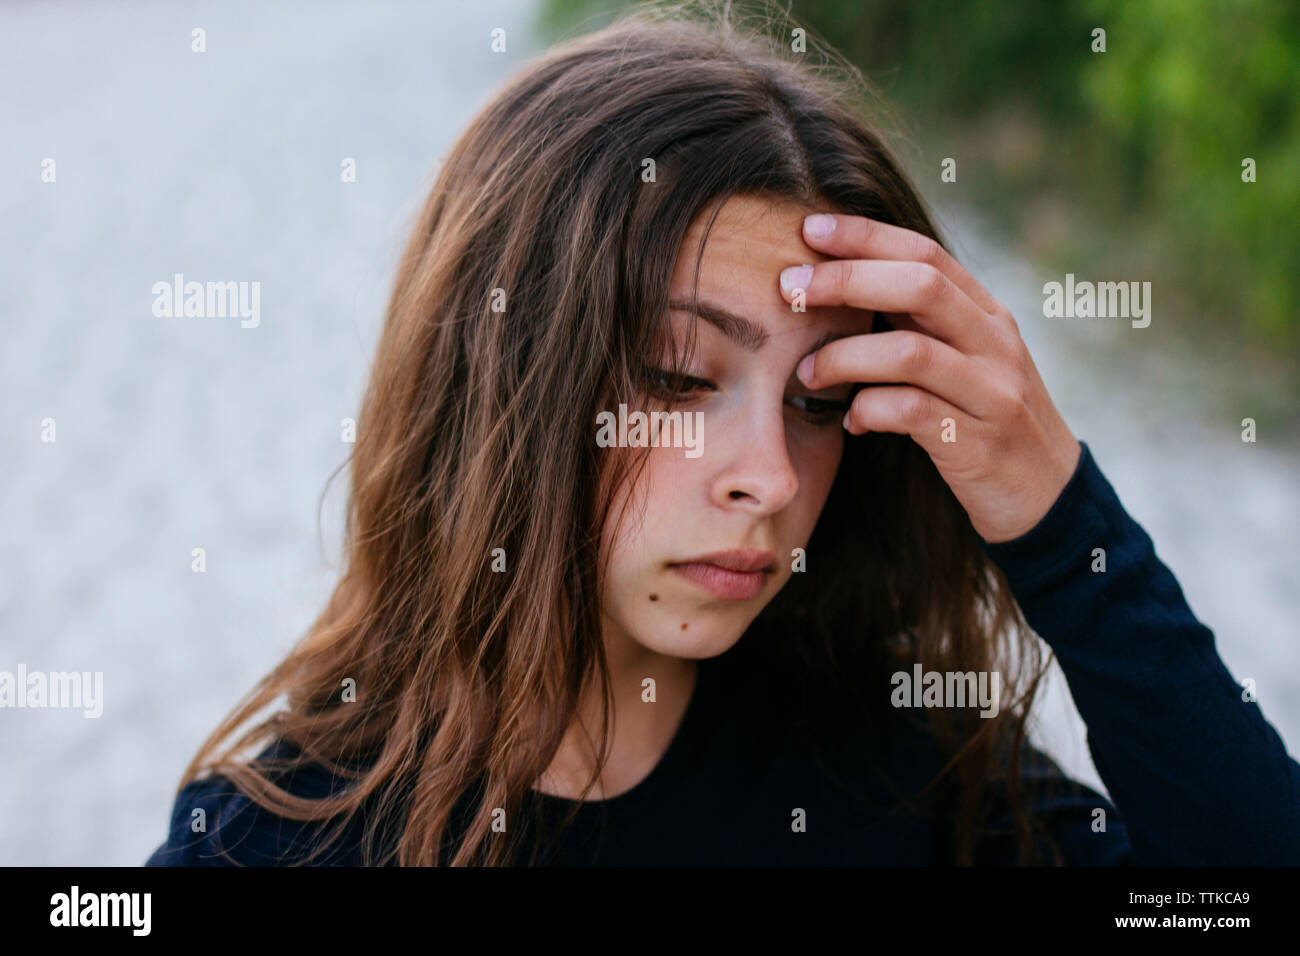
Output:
x,y
661,775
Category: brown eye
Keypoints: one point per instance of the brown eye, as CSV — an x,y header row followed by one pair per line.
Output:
x,y
664,384
821,411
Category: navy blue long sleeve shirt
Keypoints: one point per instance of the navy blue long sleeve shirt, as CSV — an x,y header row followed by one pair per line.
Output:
x,y
1196,773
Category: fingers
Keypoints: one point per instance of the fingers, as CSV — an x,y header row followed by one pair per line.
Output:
x,y
906,357
920,291
931,422
857,237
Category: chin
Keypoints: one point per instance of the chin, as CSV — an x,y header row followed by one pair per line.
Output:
x,y
701,640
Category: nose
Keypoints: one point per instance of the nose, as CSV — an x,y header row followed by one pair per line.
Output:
x,y
757,475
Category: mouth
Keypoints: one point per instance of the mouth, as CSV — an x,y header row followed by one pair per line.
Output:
x,y
735,575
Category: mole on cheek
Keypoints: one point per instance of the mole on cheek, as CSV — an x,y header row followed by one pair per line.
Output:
x,y
654,597
684,625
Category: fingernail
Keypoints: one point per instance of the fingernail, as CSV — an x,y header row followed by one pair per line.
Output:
x,y
805,369
819,225
796,277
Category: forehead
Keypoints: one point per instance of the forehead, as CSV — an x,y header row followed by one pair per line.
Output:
x,y
750,231
749,244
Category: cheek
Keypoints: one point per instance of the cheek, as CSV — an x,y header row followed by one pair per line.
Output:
x,y
643,518
666,494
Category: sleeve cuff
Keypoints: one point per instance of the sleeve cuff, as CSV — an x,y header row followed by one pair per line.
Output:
x,y
1064,537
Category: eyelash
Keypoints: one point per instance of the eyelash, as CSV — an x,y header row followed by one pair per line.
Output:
x,y
825,411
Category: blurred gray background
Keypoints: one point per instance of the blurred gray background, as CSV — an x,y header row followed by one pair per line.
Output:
x,y
174,434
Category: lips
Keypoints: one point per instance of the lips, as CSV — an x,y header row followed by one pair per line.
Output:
x,y
734,575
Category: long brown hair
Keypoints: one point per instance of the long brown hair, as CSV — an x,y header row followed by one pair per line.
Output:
x,y
530,295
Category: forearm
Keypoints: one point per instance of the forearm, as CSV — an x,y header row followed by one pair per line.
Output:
x,y
1197,772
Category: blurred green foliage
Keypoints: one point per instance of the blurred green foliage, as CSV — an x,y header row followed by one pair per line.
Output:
x,y
1127,161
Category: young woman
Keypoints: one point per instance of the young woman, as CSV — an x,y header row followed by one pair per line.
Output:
x,y
797,624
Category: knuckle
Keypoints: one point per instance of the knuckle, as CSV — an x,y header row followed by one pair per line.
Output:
x,y
866,229
1005,341
915,353
847,273
915,406
928,250
850,275
1006,401
1021,360
1008,322
1013,401
1024,397
930,282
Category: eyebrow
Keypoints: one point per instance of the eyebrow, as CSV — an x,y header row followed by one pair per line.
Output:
x,y
748,334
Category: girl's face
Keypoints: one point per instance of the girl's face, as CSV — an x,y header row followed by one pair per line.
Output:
x,y
754,475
